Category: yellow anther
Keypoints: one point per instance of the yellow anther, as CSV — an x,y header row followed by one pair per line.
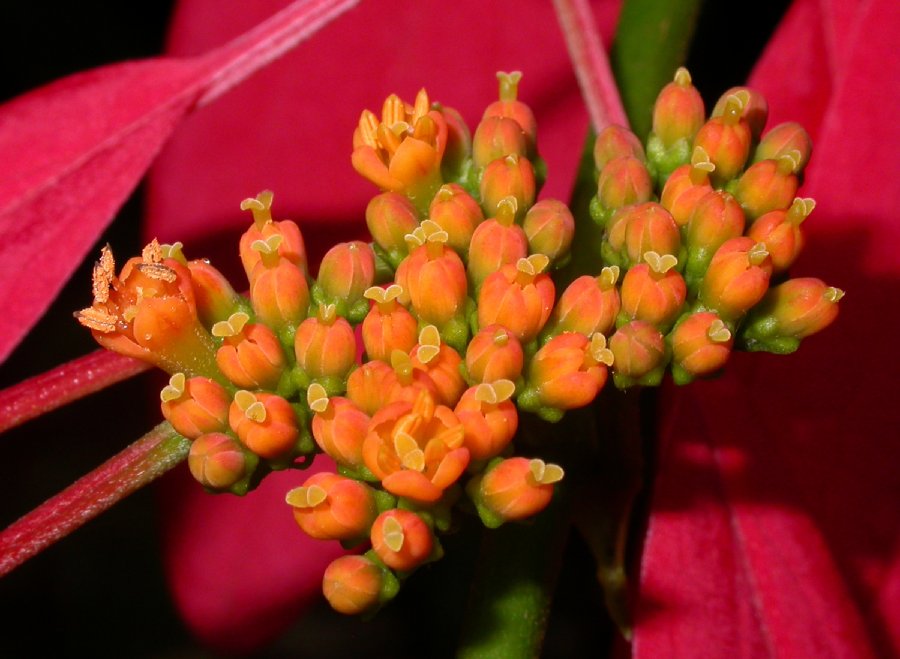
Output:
x,y
700,160
393,110
545,474
100,284
107,262
174,390
682,77
231,327
317,397
393,534
157,271
533,265
598,350
833,294
250,406
718,332
757,254
801,208
327,313
368,128
260,206
609,276
415,239
660,264
269,245
306,497
97,319
152,253
422,105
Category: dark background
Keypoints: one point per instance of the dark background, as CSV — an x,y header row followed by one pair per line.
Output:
x,y
101,592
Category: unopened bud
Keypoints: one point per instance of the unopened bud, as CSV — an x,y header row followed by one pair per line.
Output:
x,y
701,344
331,507
653,291
614,141
510,106
352,584
494,353
678,112
497,241
489,416
510,176
390,216
550,228
636,230
388,326
570,370
737,278
325,345
726,139
338,426
588,305
639,353
768,185
279,293
520,297
789,137
686,186
623,182
347,270
497,137
217,461
755,108
265,423
780,231
455,211
717,217
216,299
250,355
514,489
195,406
401,539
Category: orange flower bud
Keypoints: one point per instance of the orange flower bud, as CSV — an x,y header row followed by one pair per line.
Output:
x,y
550,228
639,351
716,218
519,297
279,293
589,304
370,386
250,355
791,311
636,230
325,345
512,176
489,417
441,363
510,106
678,112
401,539
409,382
615,142
352,584
433,277
390,216
768,185
195,406
347,270
388,326
569,371
737,277
265,423
496,242
780,231
403,151
217,461
623,182
149,312
459,143
514,489
215,298
653,291
338,426
290,245
497,137
331,507
455,211
726,139
686,186
494,353
701,344
416,450
755,111
783,139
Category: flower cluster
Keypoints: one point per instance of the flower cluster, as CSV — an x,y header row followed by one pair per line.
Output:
x,y
409,360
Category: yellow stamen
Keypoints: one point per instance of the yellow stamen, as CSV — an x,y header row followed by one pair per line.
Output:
x,y
174,390
718,332
393,534
97,319
545,474
317,398
260,206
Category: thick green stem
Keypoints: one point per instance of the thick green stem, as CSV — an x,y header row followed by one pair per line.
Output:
x,y
510,602
652,40
142,462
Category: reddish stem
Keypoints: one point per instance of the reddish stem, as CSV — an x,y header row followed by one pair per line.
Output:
x,y
142,462
57,387
598,86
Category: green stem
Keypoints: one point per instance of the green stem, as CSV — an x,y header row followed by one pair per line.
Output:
x,y
518,566
142,462
652,40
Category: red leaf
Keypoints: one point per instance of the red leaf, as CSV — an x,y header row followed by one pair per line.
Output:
x,y
73,151
774,524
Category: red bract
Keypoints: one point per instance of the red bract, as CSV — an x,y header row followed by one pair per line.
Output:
x,y
774,523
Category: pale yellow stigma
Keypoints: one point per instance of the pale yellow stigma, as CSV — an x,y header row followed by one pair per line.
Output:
x,y
317,398
260,206
660,263
252,408
393,534
496,392
411,456
757,254
718,332
306,497
682,77
231,327
598,350
429,344
609,276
